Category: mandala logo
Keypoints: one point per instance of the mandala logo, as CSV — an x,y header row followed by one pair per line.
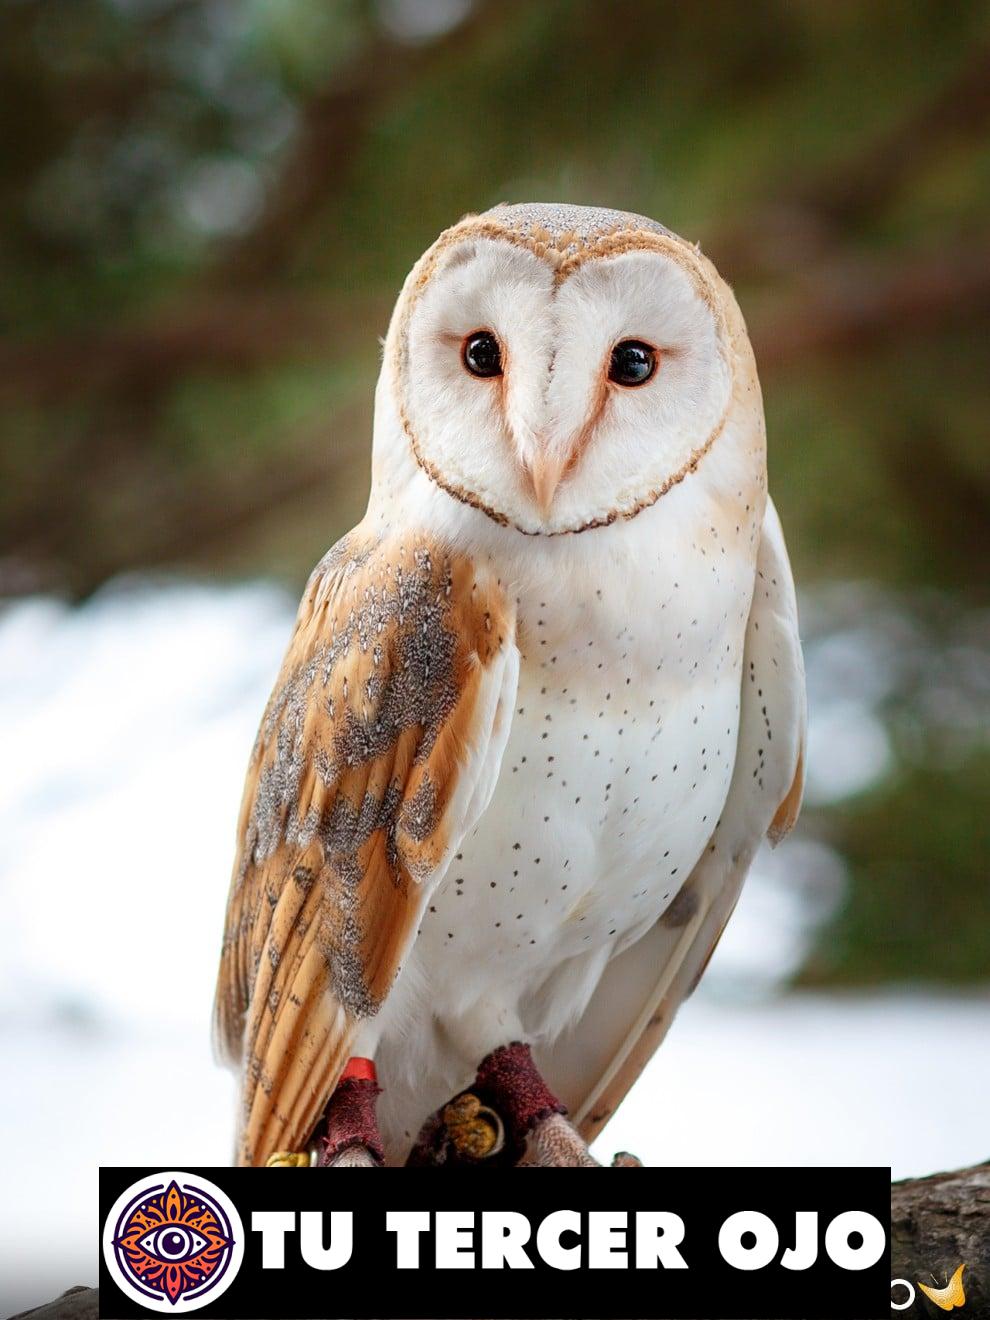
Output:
x,y
173,1242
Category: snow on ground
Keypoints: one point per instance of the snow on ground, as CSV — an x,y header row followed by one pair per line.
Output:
x,y
899,1079
127,724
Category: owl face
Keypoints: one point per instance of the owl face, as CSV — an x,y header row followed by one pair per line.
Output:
x,y
560,367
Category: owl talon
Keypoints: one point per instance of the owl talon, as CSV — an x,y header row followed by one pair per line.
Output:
x,y
288,1159
474,1130
494,1120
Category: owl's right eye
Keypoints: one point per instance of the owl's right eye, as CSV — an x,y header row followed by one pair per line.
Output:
x,y
481,354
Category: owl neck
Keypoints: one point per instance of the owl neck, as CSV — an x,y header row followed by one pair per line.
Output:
x,y
685,564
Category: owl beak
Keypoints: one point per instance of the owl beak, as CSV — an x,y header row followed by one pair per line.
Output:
x,y
545,472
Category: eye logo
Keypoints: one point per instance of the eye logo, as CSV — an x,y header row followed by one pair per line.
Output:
x,y
173,1243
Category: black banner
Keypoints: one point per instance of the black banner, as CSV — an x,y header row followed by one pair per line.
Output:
x,y
292,1244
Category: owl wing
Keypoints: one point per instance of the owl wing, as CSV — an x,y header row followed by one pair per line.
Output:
x,y
594,1066
378,750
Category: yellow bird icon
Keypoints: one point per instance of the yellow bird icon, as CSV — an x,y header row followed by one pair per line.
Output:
x,y
951,1295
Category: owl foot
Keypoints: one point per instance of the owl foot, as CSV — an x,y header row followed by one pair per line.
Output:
x,y
490,1123
288,1159
349,1135
508,1081
509,1117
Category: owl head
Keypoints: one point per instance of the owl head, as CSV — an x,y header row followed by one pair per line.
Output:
x,y
559,368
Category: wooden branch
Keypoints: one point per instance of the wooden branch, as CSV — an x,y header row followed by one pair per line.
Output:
x,y
937,1224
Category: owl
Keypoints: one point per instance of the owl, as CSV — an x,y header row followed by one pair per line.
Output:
x,y
539,709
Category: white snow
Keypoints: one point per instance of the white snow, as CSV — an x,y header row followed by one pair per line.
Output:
x,y
126,728
898,1079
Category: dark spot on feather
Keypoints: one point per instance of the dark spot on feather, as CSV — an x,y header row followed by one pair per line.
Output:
x,y
683,908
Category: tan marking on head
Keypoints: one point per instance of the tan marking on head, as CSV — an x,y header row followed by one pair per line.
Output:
x,y
548,470
599,403
616,515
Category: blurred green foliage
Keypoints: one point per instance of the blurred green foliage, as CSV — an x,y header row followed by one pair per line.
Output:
x,y
919,907
207,206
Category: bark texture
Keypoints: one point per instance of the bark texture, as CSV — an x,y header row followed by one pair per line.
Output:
x,y
937,1224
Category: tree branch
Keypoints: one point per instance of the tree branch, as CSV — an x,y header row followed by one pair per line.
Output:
x,y
856,303
230,332
937,1224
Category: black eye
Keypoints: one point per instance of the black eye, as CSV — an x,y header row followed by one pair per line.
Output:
x,y
633,363
482,355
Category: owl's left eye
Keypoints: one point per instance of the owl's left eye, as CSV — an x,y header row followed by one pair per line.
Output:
x,y
482,354
173,1243
632,363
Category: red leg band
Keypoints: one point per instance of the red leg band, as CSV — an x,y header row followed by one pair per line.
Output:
x,y
509,1082
350,1118
357,1068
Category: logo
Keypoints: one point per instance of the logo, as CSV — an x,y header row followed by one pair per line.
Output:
x,y
173,1242
947,1298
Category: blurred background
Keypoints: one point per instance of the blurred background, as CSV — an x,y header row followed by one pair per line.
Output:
x,y
206,210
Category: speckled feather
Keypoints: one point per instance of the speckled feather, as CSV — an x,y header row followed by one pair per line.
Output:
x,y
379,722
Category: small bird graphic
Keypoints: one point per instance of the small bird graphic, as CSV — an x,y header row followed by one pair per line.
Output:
x,y
949,1297
538,712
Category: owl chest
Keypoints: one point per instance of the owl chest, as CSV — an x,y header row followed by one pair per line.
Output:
x,y
618,763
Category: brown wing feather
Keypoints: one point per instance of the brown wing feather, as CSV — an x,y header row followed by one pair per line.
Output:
x,y
359,784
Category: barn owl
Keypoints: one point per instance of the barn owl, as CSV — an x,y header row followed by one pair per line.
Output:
x,y
539,709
